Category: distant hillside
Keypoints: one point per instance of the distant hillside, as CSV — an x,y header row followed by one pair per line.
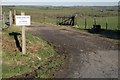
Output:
x,y
108,8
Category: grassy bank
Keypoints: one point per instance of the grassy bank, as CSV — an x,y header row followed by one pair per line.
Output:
x,y
38,54
0,49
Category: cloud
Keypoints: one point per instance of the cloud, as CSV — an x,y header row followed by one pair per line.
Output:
x,y
60,1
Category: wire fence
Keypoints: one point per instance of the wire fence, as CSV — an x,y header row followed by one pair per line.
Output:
x,y
83,22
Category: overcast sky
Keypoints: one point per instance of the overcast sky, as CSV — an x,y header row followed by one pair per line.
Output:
x,y
60,0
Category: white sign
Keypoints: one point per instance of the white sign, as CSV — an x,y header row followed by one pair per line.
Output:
x,y
22,20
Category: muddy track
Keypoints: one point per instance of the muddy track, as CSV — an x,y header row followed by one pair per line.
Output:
x,y
88,56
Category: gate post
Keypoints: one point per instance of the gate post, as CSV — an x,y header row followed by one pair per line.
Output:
x,y
10,17
14,13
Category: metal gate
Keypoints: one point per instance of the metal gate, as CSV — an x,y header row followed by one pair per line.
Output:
x,y
66,20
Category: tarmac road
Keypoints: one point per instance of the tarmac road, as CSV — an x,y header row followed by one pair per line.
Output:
x,y
88,56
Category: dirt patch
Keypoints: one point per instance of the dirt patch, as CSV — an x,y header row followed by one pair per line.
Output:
x,y
78,48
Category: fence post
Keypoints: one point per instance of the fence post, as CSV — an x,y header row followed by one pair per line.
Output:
x,y
14,13
85,23
44,18
1,16
95,21
106,24
3,20
76,19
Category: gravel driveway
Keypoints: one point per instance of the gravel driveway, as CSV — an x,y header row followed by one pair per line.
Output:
x,y
88,56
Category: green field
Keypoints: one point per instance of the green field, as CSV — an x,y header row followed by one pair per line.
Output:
x,y
28,62
49,14
112,22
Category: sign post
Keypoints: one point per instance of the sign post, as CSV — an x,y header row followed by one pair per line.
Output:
x,y
23,37
23,20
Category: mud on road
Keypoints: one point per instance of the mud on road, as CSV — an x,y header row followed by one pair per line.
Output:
x,y
88,56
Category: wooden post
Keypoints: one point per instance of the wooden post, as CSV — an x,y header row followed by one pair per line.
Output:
x,y
106,24
10,17
3,20
85,23
23,37
76,19
95,21
44,18
1,42
14,13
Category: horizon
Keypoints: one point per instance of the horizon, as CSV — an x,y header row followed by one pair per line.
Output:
x,y
60,4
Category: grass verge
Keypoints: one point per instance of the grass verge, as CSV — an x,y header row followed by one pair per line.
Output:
x,y
38,54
